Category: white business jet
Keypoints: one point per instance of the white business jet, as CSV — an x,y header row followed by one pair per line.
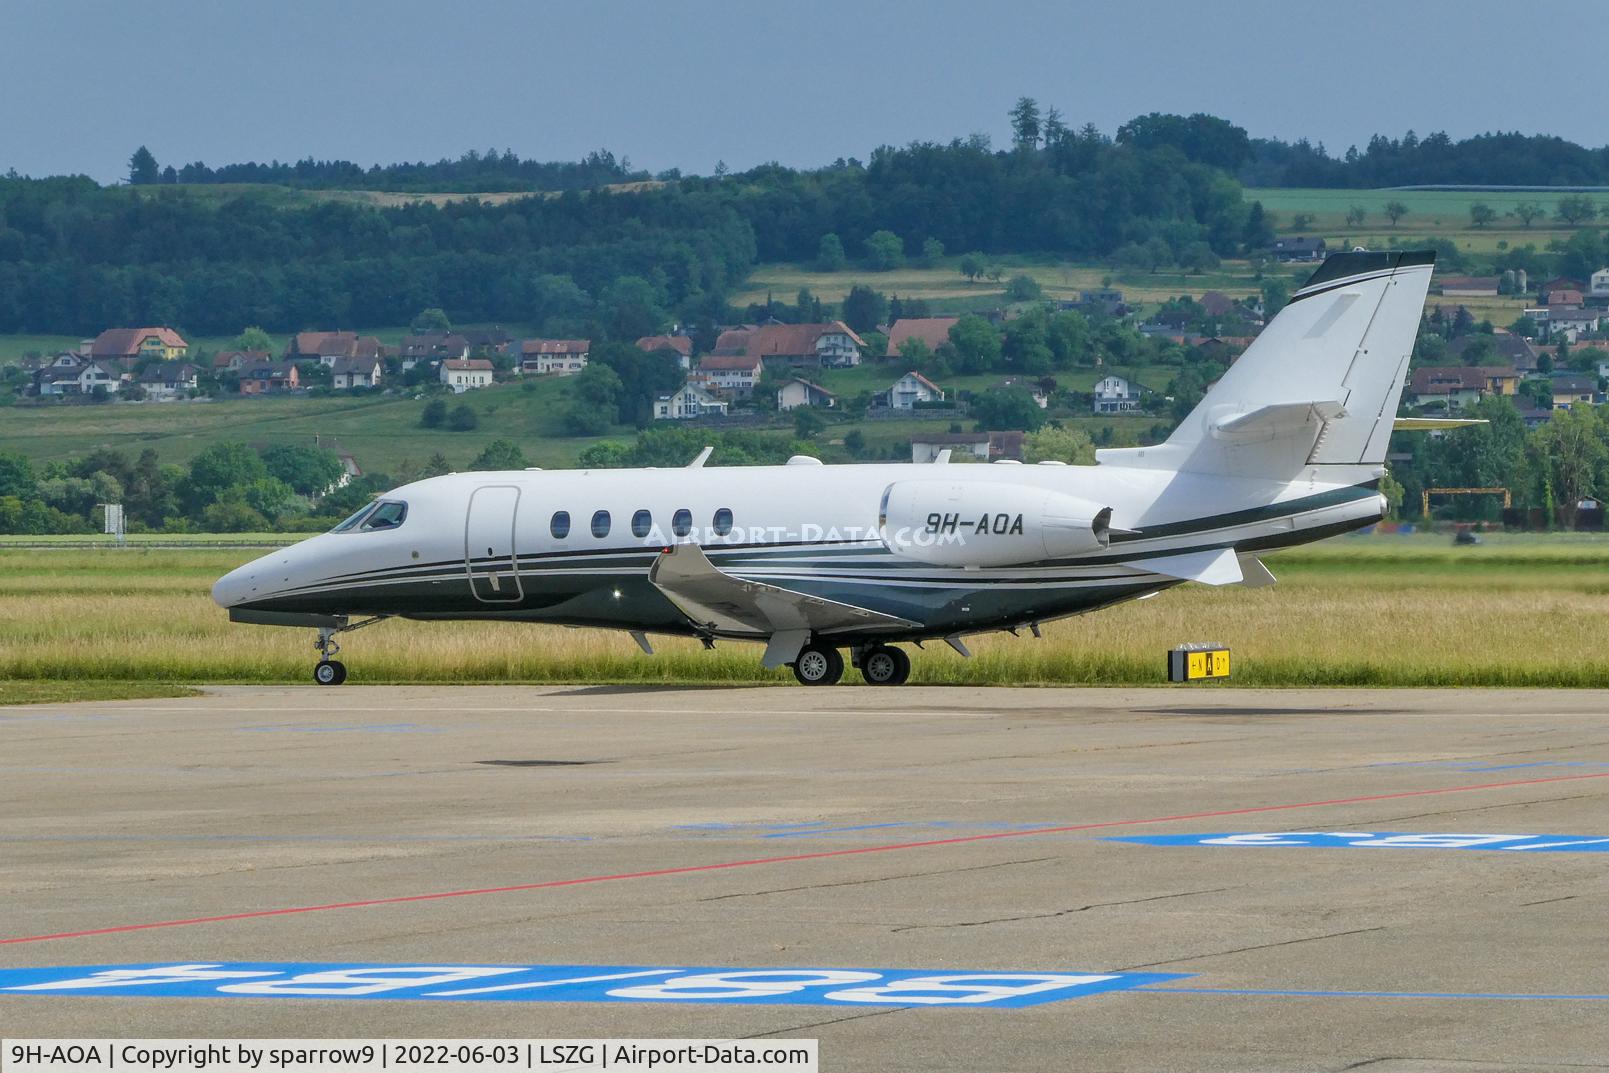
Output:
x,y
813,560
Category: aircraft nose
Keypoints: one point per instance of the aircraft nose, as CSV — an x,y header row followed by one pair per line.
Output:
x,y
233,588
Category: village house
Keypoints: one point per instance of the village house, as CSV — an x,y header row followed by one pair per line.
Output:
x,y
431,346
734,375
1567,323
1571,389
165,381
79,378
984,446
932,331
1510,348
687,402
680,345
492,340
911,389
328,347
466,374
1117,395
269,377
349,373
235,360
1598,286
1297,249
795,393
1455,387
561,357
129,346
829,346
1547,290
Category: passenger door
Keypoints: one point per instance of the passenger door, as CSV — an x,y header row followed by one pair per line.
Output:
x,y
489,552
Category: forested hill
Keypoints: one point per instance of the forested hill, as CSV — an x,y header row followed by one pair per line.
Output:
x,y
1484,160
76,257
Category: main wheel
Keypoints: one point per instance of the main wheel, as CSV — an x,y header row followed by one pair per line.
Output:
x,y
329,672
818,665
885,665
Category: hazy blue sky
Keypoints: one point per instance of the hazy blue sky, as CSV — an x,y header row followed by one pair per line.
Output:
x,y
689,83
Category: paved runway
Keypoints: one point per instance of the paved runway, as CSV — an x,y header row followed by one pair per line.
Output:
x,y
933,831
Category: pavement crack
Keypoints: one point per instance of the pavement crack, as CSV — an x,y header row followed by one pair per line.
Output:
x,y
1549,901
1258,946
1471,808
876,879
1061,912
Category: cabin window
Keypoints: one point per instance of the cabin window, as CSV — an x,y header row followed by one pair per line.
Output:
x,y
600,524
388,515
352,522
641,523
723,521
682,522
560,525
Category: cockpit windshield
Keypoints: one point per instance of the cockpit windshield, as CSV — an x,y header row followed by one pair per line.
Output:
x,y
383,514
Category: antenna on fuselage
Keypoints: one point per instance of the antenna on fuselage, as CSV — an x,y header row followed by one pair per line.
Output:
x,y
703,457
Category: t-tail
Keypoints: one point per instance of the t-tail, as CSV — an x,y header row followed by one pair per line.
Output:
x,y
1318,388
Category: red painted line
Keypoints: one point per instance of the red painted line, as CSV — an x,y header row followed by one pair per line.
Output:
x,y
790,858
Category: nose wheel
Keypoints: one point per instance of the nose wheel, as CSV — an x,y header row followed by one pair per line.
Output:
x,y
329,672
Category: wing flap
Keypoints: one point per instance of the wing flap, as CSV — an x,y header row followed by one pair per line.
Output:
x,y
716,600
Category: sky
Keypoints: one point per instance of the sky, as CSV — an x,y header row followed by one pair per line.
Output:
x,y
692,82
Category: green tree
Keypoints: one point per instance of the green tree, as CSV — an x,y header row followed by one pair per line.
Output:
x,y
1395,210
253,338
1057,443
142,168
1275,294
219,467
434,415
499,455
807,424
431,320
1576,209
1356,215
972,266
884,251
17,476
1198,257
1007,409
308,471
268,496
1529,212
1025,123
932,251
632,305
1481,214
916,353
976,342
863,308
1570,452
437,466
463,418
830,253
1023,289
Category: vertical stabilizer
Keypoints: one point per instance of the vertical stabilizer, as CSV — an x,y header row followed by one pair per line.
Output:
x,y
1319,386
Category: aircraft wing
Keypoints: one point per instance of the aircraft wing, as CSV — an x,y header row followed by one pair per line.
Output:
x,y
726,604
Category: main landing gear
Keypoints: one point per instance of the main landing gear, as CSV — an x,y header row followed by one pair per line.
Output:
x,y
330,671
819,664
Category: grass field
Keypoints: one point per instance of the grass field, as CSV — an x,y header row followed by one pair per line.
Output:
x,y
1356,611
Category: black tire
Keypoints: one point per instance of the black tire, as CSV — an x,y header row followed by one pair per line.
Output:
x,y
885,665
818,665
329,672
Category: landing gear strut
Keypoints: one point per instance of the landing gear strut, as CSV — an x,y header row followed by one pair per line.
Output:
x,y
330,671
818,665
884,665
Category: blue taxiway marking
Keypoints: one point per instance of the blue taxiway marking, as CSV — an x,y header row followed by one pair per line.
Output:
x,y
576,983
1510,843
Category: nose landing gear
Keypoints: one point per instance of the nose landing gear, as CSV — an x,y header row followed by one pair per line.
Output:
x,y
330,671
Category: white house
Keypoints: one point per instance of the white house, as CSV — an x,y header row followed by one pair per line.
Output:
x,y
561,357
1569,322
1603,368
926,448
167,380
690,401
1116,395
911,389
734,374
355,372
796,392
1599,287
78,380
466,374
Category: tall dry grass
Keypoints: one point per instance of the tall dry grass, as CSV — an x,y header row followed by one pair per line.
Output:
x,y
1349,613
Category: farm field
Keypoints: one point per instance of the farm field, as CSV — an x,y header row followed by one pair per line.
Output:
x,y
1356,611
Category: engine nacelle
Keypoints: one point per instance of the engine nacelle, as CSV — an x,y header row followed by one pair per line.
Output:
x,y
984,523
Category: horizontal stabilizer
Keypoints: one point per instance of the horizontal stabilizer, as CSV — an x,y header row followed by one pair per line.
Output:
x,y
1277,420
719,602
1422,424
1219,567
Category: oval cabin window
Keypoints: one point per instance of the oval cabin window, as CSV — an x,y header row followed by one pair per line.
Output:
x,y
641,523
723,522
560,526
600,524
